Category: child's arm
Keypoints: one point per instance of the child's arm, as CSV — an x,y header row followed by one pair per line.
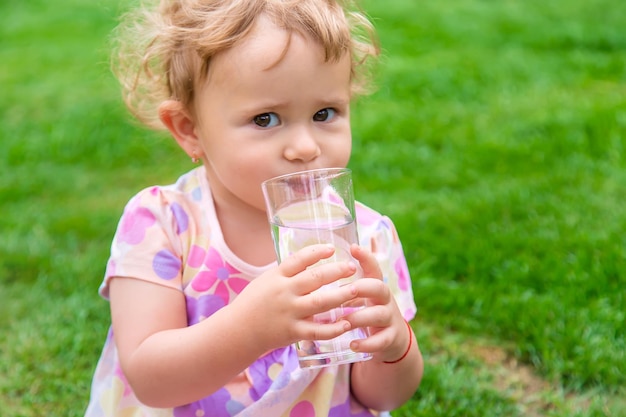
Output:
x,y
168,363
377,383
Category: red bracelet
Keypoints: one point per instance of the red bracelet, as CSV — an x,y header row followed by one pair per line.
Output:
x,y
407,349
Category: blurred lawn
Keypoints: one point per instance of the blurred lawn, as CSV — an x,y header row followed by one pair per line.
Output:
x,y
495,142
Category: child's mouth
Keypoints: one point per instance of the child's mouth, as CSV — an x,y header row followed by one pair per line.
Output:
x,y
301,184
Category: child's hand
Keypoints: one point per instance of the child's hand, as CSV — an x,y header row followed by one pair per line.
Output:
x,y
278,306
388,331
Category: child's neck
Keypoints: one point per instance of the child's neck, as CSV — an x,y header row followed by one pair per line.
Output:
x,y
247,234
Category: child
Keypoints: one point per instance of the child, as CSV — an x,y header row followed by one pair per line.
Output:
x,y
203,318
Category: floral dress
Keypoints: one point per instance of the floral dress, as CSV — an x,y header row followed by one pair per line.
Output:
x,y
170,236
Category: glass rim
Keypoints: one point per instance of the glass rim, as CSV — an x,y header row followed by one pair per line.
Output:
x,y
313,172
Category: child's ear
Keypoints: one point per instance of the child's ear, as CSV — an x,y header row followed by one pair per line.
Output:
x,y
181,126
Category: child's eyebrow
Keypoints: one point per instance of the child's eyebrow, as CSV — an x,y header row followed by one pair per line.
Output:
x,y
338,100
274,105
264,106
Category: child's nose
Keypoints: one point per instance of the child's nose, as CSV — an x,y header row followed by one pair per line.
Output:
x,y
302,146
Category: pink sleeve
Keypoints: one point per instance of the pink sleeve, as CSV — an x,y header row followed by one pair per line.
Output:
x,y
379,234
146,245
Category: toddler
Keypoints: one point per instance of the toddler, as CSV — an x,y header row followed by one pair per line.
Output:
x,y
203,317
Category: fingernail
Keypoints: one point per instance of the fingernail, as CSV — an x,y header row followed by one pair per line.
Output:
x,y
354,346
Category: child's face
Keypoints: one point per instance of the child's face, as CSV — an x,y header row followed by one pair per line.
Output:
x,y
265,112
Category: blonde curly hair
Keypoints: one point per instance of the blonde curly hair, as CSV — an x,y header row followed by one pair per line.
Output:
x,y
163,51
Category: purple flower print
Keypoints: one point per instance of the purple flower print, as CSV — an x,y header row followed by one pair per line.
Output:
x,y
182,220
215,405
215,273
262,381
202,307
166,265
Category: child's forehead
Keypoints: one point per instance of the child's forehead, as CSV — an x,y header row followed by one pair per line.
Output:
x,y
265,42
264,47
274,67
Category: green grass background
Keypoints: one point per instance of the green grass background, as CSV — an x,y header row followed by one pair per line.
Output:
x,y
495,141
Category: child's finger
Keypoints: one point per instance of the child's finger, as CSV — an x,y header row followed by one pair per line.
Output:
x,y
368,261
304,258
321,302
376,291
375,343
317,331
314,278
376,317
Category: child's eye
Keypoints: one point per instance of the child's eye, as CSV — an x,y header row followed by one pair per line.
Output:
x,y
324,115
266,120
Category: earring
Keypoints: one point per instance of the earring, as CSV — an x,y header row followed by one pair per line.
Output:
x,y
194,158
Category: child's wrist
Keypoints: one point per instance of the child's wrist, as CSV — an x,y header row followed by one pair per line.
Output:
x,y
408,349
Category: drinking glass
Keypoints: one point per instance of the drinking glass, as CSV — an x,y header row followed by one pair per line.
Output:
x,y
312,207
